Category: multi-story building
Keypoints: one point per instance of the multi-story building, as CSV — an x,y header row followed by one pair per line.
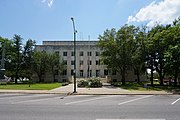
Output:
x,y
88,62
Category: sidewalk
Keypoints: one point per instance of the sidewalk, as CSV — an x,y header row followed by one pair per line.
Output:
x,y
105,90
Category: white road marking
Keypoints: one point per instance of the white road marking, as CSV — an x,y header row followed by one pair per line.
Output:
x,y
80,101
130,119
26,101
175,101
135,99
17,96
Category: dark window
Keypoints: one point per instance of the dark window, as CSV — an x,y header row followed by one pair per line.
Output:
x,y
72,62
97,53
88,53
114,80
97,62
105,72
114,72
81,53
57,52
64,53
64,80
72,53
64,72
89,73
72,72
65,62
81,73
97,73
81,62
89,62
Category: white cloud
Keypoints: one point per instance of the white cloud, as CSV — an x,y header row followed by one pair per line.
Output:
x,y
48,2
163,12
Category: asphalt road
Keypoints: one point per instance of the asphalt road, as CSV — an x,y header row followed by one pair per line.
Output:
x,y
89,107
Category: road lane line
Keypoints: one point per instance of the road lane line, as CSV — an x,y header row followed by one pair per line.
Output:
x,y
37,100
17,96
134,99
175,101
80,101
130,119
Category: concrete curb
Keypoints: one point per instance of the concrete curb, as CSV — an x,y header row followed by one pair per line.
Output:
x,y
81,93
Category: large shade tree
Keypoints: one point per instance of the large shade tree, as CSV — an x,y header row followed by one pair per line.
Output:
x,y
118,49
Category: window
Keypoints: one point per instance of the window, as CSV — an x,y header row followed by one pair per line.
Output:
x,y
72,72
65,62
64,80
97,62
64,53
57,52
89,73
81,73
97,73
72,53
88,53
81,62
81,53
114,72
97,53
89,62
114,80
72,62
105,72
64,72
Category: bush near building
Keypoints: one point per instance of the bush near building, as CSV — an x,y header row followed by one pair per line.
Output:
x,y
92,82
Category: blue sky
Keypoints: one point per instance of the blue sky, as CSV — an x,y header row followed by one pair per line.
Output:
x,y
50,19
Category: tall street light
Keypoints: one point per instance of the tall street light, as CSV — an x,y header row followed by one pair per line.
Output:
x,y
75,31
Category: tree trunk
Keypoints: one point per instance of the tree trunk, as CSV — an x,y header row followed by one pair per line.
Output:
x,y
175,77
16,77
138,76
123,76
151,79
161,78
40,78
54,77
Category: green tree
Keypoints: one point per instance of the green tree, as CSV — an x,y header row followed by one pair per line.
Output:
x,y
138,54
55,64
172,54
17,55
27,58
118,48
39,64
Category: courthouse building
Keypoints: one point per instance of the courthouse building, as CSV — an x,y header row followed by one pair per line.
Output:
x,y
88,62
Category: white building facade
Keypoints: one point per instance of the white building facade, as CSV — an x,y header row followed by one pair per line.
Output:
x,y
88,62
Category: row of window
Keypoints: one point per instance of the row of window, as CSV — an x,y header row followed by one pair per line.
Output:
x,y
89,73
81,62
81,53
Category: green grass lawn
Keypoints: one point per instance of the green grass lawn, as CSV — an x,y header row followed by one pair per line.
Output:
x,y
35,86
141,87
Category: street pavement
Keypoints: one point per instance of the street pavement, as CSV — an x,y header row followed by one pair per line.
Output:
x,y
88,107
105,90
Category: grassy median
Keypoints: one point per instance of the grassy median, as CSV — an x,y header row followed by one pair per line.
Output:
x,y
34,86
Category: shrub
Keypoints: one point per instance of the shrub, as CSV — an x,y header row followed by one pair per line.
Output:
x,y
82,83
93,82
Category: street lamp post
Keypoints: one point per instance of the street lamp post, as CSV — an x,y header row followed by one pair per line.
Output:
x,y
75,31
